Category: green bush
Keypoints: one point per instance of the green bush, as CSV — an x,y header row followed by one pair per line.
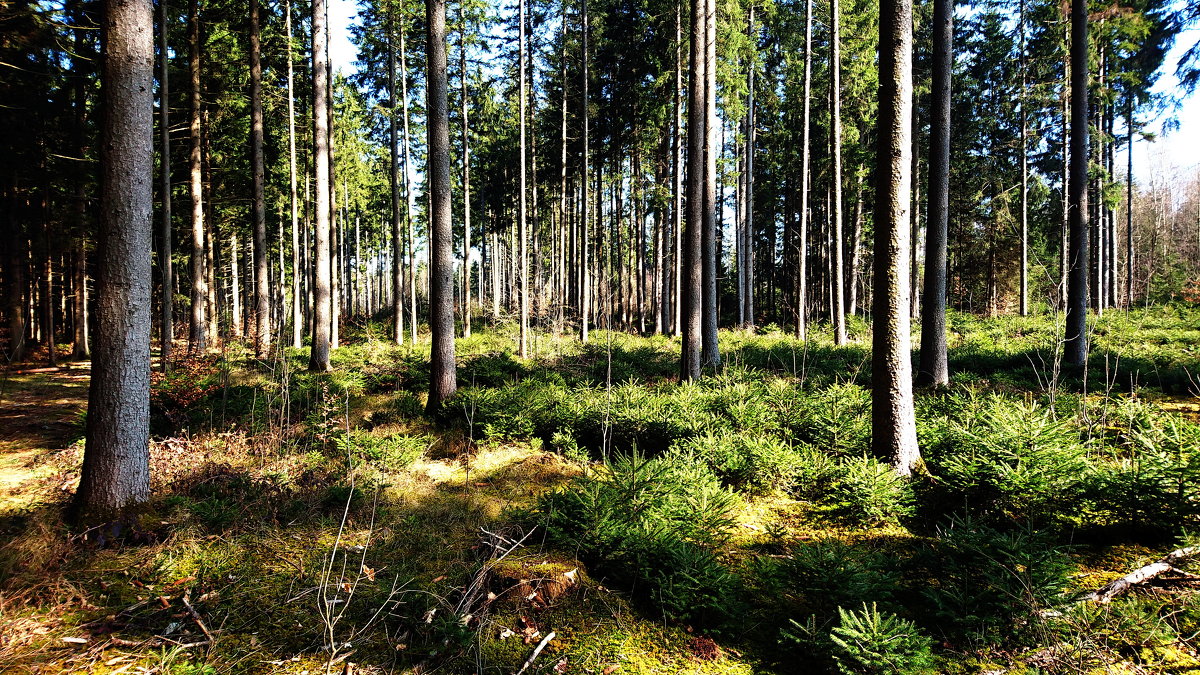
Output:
x,y
748,462
868,491
650,524
868,641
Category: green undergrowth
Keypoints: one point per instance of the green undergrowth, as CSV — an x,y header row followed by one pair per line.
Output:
x,y
739,524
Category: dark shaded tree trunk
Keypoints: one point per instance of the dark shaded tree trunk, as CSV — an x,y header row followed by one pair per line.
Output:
x,y
198,329
801,283
1075,348
116,463
166,336
893,420
262,283
692,264
934,369
838,308
442,382
297,274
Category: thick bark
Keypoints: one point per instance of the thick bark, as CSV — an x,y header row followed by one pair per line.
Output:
x,y
894,432
116,463
198,330
441,238
691,264
934,369
1076,341
262,283
322,295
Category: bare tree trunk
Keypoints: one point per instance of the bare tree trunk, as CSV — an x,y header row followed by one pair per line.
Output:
x,y
322,281
1076,345
165,264
466,173
585,291
801,283
262,283
934,369
297,318
893,418
710,353
394,179
409,207
748,221
198,334
835,99
116,462
1024,170
677,170
1129,123
692,264
441,238
522,196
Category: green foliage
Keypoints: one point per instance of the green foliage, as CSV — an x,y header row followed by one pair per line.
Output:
x,y
747,461
650,524
868,641
868,491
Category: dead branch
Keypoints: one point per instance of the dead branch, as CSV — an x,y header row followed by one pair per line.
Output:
x,y
1142,575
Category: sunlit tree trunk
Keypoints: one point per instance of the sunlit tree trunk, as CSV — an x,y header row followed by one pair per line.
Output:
x,y
322,279
709,348
262,283
198,333
835,99
297,318
466,173
441,238
692,262
894,432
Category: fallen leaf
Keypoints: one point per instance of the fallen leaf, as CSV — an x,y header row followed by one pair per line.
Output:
x,y
368,573
609,670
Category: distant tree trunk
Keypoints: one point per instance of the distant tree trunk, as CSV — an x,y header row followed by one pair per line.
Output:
x,y
466,170
856,251
235,278
710,353
262,283
585,285
297,318
1129,124
116,463
801,283
322,292
166,334
522,196
835,99
748,222
198,333
934,369
394,179
1076,341
1024,103
1063,257
441,238
893,425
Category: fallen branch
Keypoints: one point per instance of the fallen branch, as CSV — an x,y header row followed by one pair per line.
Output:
x,y
1141,575
536,650
196,617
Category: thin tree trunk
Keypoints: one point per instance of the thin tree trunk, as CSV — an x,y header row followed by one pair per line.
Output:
x,y
116,463
835,99
1024,103
748,221
408,190
1129,123
677,211
522,196
585,295
297,318
394,179
894,432
693,283
441,238
801,284
934,368
466,173
166,334
709,348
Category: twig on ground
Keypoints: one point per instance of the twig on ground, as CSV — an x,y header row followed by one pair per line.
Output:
x,y
537,650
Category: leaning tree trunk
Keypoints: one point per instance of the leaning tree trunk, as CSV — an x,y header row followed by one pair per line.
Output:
x,y
441,238
322,292
893,421
116,460
934,368
1076,342
262,284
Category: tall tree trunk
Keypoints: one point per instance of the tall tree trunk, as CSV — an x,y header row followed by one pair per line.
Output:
x,y
409,207
441,238
297,318
198,333
394,179
1024,103
835,100
585,285
1075,348
748,221
801,282
1129,124
322,278
692,263
116,460
934,368
522,196
677,171
166,268
893,420
710,353
262,283
466,172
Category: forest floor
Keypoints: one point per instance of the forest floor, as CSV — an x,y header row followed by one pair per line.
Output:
x,y
310,524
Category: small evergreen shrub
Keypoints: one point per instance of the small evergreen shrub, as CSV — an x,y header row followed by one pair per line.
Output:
x,y
867,491
867,641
